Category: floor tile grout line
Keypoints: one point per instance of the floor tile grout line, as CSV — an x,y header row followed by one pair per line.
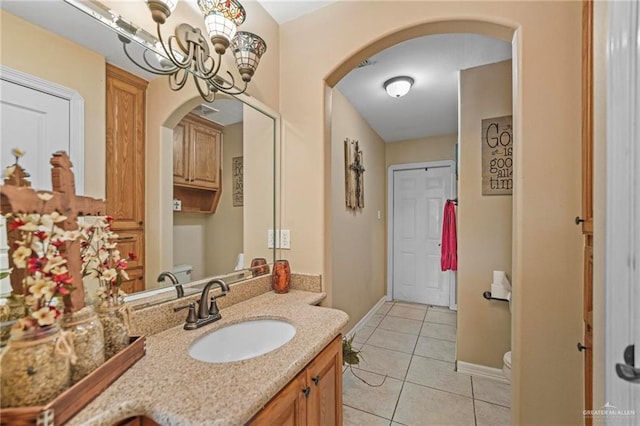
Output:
x,y
439,390
473,398
363,411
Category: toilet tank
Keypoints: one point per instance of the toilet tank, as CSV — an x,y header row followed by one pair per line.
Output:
x,y
183,273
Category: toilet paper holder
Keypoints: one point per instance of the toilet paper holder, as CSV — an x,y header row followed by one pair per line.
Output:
x,y
487,295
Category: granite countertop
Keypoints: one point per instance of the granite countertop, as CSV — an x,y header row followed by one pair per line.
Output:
x,y
172,388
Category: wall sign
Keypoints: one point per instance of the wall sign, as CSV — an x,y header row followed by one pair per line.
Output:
x,y
238,184
497,156
353,174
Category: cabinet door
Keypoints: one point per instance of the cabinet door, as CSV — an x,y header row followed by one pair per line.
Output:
x,y
205,156
287,408
324,376
181,154
125,105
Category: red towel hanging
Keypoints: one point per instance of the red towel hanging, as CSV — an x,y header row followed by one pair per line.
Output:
x,y
449,253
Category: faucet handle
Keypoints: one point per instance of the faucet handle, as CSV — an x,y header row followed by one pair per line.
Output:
x,y
192,318
213,307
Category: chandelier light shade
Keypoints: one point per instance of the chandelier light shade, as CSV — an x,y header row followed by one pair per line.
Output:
x,y
222,18
187,52
248,49
161,9
398,86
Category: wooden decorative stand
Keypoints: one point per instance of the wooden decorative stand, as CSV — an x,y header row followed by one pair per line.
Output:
x,y
71,401
17,196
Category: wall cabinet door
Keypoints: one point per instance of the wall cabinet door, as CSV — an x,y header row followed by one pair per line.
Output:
x,y
125,108
197,149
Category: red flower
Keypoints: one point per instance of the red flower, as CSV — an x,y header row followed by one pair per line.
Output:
x,y
57,243
58,313
63,278
122,264
109,219
41,235
132,256
17,223
36,264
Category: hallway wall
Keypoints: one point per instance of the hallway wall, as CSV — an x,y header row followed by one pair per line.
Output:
x,y
358,244
484,221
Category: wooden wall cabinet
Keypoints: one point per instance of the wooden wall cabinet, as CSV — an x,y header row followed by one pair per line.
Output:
x,y
197,155
313,397
125,121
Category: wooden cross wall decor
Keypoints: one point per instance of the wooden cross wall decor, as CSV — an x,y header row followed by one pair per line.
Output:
x,y
354,174
17,196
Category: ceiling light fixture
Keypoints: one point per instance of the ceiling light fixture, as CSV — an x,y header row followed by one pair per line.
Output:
x,y
398,86
188,53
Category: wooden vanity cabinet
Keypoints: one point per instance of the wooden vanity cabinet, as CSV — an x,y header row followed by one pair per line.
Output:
x,y
313,397
137,421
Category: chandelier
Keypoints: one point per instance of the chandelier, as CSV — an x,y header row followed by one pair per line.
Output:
x,y
187,52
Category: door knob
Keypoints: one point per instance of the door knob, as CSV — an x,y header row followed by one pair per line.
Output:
x,y
582,347
578,220
628,371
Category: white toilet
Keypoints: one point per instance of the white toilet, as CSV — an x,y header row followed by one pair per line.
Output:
x,y
183,273
506,359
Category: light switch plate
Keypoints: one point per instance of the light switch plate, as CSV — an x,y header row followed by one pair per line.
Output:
x,y
270,238
285,239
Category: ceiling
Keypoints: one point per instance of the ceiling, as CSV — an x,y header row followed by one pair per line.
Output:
x,y
433,62
431,107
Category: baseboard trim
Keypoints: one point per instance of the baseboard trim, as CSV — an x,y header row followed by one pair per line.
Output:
x,y
366,318
481,371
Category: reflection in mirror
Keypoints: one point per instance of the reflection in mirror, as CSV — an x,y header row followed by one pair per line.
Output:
x,y
211,243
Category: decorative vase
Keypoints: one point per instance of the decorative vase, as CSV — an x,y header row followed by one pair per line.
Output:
x,y
259,266
10,312
87,334
35,367
281,276
115,320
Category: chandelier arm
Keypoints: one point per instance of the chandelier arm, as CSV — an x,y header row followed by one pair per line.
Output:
x,y
168,50
149,68
176,84
215,67
208,95
229,90
152,68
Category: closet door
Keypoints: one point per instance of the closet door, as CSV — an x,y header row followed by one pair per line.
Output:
x,y
125,167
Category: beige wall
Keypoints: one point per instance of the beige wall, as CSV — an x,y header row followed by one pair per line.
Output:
x,y
68,64
358,250
259,186
484,222
433,148
599,197
224,228
546,263
190,243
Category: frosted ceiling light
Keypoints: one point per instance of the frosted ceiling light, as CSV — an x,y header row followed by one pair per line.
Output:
x,y
398,86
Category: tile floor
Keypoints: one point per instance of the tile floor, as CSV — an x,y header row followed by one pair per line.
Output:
x,y
414,345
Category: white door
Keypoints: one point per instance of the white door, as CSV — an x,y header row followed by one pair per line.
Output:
x,y
622,279
39,123
36,122
418,202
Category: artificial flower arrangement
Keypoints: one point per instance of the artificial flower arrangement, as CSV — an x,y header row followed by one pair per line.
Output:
x,y
101,259
39,253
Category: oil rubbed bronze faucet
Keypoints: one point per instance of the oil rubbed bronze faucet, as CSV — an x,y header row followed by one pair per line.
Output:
x,y
207,312
174,281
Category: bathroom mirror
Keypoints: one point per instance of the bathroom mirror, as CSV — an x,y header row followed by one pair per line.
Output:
x,y
197,239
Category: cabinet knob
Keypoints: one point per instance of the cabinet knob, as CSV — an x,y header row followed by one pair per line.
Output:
x,y
316,380
306,391
140,222
581,347
578,220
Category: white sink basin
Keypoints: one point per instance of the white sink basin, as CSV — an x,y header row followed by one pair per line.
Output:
x,y
242,341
